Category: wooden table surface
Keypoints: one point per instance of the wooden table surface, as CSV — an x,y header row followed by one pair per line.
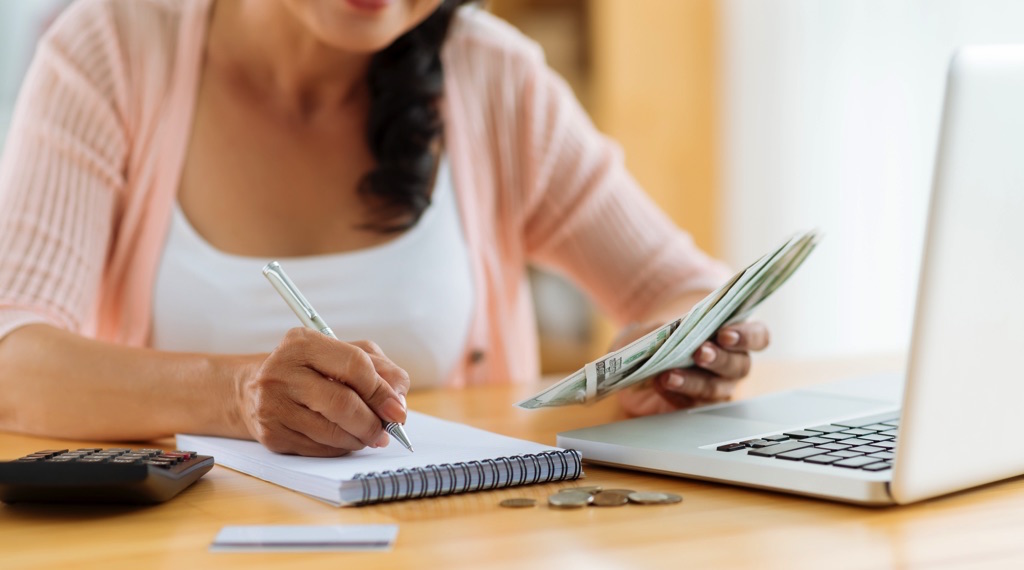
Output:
x,y
716,526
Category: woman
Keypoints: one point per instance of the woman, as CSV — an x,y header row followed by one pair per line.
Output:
x,y
403,159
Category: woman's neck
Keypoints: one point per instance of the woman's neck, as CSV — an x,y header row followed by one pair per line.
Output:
x,y
274,54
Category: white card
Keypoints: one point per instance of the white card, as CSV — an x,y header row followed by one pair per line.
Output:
x,y
299,538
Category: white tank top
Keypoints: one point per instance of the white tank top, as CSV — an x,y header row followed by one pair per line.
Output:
x,y
413,295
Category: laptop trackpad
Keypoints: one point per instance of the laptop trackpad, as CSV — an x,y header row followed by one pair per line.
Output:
x,y
796,408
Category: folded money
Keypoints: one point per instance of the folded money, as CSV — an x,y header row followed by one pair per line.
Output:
x,y
672,345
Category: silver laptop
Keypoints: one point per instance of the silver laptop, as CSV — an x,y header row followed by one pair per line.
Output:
x,y
959,423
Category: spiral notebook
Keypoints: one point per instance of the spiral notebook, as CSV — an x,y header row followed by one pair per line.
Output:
x,y
450,458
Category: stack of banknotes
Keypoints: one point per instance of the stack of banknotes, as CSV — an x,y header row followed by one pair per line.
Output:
x,y
673,344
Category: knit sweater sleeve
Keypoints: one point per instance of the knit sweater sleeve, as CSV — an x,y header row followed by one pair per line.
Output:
x,y
587,218
61,173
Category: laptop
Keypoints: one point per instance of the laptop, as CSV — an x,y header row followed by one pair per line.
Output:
x,y
951,421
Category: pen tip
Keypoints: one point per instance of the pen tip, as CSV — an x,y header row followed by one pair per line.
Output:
x,y
398,433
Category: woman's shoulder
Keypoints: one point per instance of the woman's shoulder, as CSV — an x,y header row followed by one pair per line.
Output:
x,y
126,35
479,36
122,51
142,22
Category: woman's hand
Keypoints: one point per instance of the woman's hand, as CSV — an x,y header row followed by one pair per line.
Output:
x,y
317,396
719,365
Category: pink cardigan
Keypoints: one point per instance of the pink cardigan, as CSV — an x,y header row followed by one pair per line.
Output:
x,y
95,152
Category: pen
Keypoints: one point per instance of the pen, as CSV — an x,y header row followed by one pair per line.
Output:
x,y
309,317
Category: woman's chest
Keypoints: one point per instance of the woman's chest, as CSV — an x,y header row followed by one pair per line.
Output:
x,y
258,183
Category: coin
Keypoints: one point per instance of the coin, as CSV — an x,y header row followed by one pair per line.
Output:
x,y
570,500
652,498
610,500
518,503
619,491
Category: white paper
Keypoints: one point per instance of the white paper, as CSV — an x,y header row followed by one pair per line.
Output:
x,y
298,538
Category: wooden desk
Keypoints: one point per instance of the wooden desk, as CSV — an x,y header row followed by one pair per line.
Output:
x,y
716,526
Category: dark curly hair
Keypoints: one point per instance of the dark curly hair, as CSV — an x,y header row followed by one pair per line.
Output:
x,y
406,80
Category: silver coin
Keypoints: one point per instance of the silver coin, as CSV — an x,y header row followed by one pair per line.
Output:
x,y
570,500
610,500
518,503
619,491
652,498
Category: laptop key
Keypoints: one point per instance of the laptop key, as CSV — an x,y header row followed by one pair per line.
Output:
x,y
836,436
858,441
801,433
731,447
822,459
877,467
876,437
816,440
846,453
856,462
833,446
826,428
858,431
760,443
776,438
798,454
867,449
885,444
778,448
883,455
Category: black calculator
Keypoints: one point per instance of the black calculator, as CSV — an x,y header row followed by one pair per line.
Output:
x,y
95,475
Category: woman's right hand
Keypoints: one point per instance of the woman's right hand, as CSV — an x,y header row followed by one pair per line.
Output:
x,y
317,396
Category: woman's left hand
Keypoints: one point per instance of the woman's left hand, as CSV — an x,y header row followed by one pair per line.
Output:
x,y
719,365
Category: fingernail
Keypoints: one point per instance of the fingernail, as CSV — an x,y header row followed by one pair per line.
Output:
x,y
729,338
392,410
675,380
706,355
383,440
402,398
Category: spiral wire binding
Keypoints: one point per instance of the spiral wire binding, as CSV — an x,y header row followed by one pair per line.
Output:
x,y
430,480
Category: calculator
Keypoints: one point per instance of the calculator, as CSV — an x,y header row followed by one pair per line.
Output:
x,y
96,475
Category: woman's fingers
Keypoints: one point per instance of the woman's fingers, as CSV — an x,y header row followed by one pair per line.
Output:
x,y
353,367
696,384
286,440
646,400
341,407
315,395
743,337
725,363
327,432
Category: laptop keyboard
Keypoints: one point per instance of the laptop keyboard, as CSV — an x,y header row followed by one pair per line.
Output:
x,y
867,443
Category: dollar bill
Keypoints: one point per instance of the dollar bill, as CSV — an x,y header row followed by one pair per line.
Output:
x,y
673,344
573,389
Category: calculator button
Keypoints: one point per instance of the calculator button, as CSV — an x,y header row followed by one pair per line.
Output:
x,y
50,452
178,454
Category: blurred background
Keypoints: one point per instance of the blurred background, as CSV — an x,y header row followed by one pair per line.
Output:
x,y
746,120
